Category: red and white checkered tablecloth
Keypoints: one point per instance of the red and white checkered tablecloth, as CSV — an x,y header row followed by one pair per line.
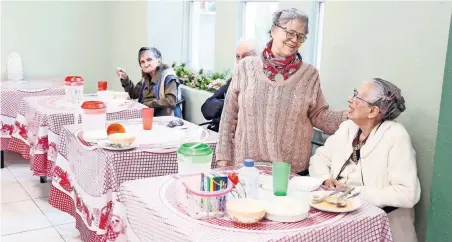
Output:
x,y
87,179
154,215
12,94
38,125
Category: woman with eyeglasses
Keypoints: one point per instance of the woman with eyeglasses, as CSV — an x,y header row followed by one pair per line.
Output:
x,y
373,153
274,101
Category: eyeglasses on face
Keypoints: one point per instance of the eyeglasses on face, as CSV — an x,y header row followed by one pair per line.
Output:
x,y
291,34
356,97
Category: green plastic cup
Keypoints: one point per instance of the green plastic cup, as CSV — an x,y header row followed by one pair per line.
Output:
x,y
280,173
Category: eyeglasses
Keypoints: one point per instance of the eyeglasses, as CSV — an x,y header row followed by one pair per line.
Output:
x,y
291,34
355,97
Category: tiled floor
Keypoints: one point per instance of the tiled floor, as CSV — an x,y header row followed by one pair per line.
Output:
x,y
25,213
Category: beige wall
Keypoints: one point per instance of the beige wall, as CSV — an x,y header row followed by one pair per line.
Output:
x,y
404,42
58,38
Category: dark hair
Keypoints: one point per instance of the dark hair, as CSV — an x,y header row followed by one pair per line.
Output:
x,y
388,97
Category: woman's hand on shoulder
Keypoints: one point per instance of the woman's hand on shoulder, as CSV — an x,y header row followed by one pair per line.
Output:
x,y
121,73
222,163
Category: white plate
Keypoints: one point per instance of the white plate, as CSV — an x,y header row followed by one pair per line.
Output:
x,y
286,209
106,145
355,204
304,183
95,136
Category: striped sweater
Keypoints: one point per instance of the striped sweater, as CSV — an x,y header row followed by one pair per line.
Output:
x,y
273,121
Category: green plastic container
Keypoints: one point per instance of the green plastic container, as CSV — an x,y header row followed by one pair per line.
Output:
x,y
194,158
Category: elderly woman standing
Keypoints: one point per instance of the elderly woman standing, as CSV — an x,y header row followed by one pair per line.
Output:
x,y
373,153
274,101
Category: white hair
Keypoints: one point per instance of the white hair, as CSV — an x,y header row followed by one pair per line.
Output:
x,y
388,97
250,43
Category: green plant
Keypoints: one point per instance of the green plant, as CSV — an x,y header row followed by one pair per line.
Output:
x,y
209,81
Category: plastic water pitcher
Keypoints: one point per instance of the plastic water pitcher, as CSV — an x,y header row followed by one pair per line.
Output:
x,y
73,89
194,158
94,120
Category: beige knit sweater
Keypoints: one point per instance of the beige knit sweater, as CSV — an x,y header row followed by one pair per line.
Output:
x,y
273,121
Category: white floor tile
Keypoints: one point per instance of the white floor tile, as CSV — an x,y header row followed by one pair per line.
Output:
x,y
20,170
33,186
48,235
5,174
55,216
69,232
12,191
22,216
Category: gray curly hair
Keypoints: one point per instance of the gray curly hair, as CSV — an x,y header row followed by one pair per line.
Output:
x,y
388,97
283,16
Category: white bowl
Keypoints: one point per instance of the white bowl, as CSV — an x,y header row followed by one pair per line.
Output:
x,y
287,209
121,95
246,210
106,96
304,183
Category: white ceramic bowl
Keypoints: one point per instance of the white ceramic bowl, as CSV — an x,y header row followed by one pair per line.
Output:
x,y
246,210
287,209
106,96
121,95
124,139
304,183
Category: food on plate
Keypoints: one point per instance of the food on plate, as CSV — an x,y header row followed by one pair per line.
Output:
x,y
329,203
115,128
246,210
124,139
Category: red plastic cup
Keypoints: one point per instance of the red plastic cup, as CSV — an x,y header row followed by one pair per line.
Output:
x,y
147,114
102,85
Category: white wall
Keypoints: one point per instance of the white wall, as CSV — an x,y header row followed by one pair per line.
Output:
x,y
57,38
128,33
403,42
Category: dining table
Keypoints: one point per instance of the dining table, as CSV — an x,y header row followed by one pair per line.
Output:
x,y
40,119
154,214
87,176
11,95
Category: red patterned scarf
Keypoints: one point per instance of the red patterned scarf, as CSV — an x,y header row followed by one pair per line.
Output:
x,y
279,68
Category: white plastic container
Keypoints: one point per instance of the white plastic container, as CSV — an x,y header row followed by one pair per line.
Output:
x,y
73,89
249,178
94,121
194,158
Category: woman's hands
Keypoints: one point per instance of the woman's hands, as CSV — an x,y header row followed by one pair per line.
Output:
x,y
121,73
334,184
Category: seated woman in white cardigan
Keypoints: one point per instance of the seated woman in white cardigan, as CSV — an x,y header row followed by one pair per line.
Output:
x,y
373,153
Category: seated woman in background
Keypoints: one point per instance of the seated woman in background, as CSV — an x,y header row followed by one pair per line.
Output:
x,y
159,86
213,106
373,153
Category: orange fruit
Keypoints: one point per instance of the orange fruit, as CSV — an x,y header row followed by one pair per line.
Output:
x,y
115,128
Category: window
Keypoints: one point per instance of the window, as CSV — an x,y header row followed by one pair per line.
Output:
x,y
318,44
202,35
257,20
